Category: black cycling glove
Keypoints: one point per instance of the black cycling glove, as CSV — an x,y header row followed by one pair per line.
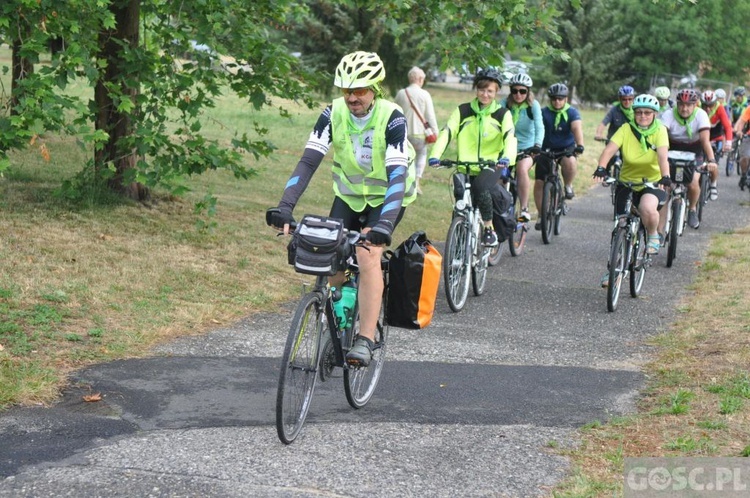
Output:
x,y
578,150
666,181
277,217
380,234
601,172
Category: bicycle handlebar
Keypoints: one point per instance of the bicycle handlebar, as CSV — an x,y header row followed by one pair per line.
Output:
x,y
449,163
645,183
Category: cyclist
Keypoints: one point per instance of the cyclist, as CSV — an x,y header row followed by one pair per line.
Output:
x,y
373,181
739,102
483,131
563,132
662,94
688,127
721,127
721,96
619,114
529,131
644,146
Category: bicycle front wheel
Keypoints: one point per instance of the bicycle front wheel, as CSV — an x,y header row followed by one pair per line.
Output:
x,y
299,365
674,231
456,263
548,211
559,208
639,263
618,264
703,199
360,382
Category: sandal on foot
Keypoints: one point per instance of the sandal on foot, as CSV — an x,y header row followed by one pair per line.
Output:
x,y
653,244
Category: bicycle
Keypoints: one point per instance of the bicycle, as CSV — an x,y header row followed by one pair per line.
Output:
x,y
676,216
627,253
553,196
616,164
465,258
517,242
733,157
704,184
318,342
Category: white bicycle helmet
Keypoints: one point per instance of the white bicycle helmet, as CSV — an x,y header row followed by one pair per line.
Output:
x,y
662,92
721,94
647,101
521,79
359,70
708,98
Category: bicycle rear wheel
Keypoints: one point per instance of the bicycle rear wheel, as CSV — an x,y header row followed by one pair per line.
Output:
x,y
299,365
548,211
638,263
479,269
703,198
517,240
496,254
618,263
674,231
456,263
360,382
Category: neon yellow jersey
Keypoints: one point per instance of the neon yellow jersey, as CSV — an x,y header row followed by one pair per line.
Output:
x,y
638,164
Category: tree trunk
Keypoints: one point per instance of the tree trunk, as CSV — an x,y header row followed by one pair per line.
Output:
x,y
22,68
117,124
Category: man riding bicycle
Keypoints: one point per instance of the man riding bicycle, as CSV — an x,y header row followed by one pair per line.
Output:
x,y
484,132
619,114
739,103
563,133
721,126
689,130
373,181
662,94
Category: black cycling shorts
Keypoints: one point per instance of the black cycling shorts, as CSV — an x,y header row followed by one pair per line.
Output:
x,y
621,196
544,163
354,220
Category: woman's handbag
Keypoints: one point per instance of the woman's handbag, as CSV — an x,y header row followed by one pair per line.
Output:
x,y
429,134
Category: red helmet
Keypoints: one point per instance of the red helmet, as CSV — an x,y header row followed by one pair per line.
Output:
x,y
687,95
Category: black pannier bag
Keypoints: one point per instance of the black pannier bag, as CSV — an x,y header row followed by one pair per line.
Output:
x,y
318,246
503,212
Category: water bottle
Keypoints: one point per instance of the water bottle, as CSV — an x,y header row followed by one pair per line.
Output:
x,y
344,300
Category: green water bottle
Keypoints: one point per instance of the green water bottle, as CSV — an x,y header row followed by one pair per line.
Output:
x,y
344,300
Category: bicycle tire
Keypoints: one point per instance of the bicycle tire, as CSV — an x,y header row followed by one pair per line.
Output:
x,y
456,264
547,215
496,255
299,363
618,264
638,263
559,209
729,163
360,382
517,241
703,197
674,231
479,268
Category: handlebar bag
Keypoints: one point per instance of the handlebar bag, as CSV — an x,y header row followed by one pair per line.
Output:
x,y
413,279
318,246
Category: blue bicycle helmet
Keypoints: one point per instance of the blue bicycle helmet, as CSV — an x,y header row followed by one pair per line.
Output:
x,y
626,91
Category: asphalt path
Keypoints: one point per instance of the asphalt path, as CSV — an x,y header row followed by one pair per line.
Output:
x,y
478,404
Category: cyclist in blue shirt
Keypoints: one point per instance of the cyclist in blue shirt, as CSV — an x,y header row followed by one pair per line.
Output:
x,y
529,129
563,132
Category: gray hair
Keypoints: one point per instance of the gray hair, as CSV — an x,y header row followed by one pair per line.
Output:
x,y
415,73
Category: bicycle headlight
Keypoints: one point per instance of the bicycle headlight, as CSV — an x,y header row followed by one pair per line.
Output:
x,y
460,204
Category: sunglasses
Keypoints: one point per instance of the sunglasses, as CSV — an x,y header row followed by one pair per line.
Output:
x,y
558,98
644,113
522,91
357,92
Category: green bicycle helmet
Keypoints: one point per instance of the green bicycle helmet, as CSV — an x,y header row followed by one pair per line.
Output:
x,y
359,70
646,101
662,92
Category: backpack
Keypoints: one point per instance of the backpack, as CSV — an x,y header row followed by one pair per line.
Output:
x,y
413,279
503,212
